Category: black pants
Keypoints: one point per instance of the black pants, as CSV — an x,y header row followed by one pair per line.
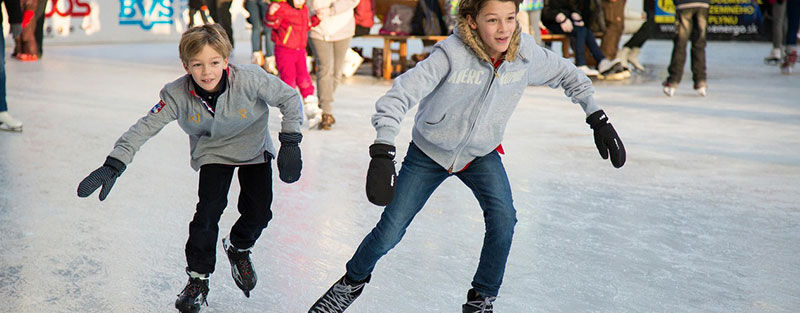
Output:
x,y
690,25
255,200
220,11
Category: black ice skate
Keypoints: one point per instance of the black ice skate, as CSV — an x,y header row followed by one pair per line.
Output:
x,y
194,294
477,303
241,267
339,296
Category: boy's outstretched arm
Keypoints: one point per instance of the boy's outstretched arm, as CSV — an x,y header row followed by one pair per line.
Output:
x,y
549,69
276,93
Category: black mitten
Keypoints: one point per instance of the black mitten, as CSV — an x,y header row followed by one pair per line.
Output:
x,y
289,161
381,175
606,138
104,176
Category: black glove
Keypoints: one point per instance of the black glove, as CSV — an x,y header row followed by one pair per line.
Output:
x,y
104,176
289,162
606,138
381,175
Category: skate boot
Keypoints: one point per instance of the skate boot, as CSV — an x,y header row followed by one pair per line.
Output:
x,y
194,294
633,59
588,71
339,296
669,88
257,58
312,110
241,267
788,62
8,123
327,121
775,56
701,88
270,65
477,303
611,70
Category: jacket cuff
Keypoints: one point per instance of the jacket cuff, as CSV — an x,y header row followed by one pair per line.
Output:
x,y
290,127
386,135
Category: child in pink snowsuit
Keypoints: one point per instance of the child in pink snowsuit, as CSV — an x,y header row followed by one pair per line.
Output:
x,y
290,22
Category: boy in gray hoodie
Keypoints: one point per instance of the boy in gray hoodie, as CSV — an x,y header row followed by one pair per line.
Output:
x,y
466,89
224,108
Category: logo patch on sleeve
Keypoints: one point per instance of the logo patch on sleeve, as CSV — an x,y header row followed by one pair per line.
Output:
x,y
157,108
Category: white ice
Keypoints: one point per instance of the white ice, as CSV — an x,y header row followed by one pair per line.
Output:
x,y
704,217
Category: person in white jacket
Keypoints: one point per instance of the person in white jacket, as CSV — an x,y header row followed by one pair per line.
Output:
x,y
330,41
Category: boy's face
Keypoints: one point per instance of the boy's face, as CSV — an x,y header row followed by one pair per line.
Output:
x,y
495,24
206,68
299,3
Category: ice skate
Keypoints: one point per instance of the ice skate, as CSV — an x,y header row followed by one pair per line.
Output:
x,y
701,88
774,58
339,296
312,110
588,71
633,59
270,65
194,294
477,303
611,70
669,88
327,121
788,62
8,123
257,58
241,267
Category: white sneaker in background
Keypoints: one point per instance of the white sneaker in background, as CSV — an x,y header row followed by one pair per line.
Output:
x,y
588,71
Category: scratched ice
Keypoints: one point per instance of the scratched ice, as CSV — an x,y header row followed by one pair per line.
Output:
x,y
704,217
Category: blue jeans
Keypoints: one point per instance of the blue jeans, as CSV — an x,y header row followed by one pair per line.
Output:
x,y
3,104
258,10
418,178
583,38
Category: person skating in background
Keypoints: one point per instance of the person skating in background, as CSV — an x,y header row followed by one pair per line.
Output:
x,y
224,108
260,34
220,11
691,20
14,13
27,49
290,23
778,13
467,90
793,26
633,47
197,6
530,17
331,41
579,19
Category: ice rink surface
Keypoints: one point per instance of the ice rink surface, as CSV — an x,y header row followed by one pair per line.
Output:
x,y
703,217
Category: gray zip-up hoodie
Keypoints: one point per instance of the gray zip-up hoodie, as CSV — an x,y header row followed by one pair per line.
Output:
x,y
237,133
464,102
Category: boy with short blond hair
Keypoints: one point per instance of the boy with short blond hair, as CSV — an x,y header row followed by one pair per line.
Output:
x,y
224,108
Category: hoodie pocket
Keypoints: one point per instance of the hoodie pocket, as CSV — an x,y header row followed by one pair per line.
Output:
x,y
439,131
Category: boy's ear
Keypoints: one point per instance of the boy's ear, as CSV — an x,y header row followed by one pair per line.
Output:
x,y
471,22
186,67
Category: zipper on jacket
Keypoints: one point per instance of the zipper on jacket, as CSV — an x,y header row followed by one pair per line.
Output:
x,y
475,121
288,32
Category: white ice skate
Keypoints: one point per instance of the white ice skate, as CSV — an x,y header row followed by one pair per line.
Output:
x,y
312,110
8,123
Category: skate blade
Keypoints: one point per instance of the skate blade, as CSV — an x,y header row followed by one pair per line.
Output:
x,y
246,293
11,129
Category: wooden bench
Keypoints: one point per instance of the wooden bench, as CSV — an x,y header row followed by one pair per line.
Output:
x,y
402,51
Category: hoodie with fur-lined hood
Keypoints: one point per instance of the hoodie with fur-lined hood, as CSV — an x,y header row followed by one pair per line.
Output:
x,y
465,102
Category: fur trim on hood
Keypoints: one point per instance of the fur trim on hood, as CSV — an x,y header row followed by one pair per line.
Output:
x,y
471,38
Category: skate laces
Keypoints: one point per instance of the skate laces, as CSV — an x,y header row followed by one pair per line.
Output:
x,y
484,304
340,297
194,288
242,259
